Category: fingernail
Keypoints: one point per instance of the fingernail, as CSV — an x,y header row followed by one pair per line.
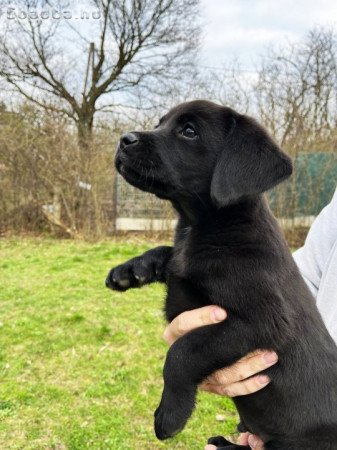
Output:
x,y
263,379
218,314
270,357
252,441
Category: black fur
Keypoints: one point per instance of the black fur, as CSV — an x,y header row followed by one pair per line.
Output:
x,y
229,251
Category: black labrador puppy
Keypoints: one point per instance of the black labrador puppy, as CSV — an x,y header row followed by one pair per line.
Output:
x,y
213,165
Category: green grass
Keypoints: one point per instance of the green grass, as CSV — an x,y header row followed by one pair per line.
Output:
x,y
81,366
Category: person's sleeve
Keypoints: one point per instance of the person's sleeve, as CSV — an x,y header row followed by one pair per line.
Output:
x,y
312,257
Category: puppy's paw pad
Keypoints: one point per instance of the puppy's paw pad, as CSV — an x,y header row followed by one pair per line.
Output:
x,y
115,284
140,279
122,283
165,424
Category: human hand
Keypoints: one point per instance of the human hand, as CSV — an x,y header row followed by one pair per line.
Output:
x,y
248,439
235,380
245,439
232,381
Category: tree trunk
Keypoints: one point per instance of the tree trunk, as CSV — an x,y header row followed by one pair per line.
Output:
x,y
85,132
84,206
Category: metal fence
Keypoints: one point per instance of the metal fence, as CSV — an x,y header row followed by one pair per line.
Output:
x,y
138,210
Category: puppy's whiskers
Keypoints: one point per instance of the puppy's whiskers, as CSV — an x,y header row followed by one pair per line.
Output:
x,y
152,176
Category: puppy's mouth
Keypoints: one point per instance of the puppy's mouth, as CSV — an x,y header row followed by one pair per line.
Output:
x,y
141,176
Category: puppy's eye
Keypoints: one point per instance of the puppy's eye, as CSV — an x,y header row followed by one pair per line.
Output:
x,y
188,131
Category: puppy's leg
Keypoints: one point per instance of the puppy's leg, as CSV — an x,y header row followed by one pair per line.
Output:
x,y
144,269
222,444
219,441
189,361
232,447
241,427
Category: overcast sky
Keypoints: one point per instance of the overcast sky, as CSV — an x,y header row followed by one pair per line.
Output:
x,y
242,28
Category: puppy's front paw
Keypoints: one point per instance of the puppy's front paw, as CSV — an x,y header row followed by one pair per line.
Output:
x,y
133,273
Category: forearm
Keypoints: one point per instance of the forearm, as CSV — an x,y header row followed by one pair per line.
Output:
x,y
313,256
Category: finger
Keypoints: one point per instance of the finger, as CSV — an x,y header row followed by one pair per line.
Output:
x,y
255,442
210,447
212,388
243,439
246,387
189,320
246,367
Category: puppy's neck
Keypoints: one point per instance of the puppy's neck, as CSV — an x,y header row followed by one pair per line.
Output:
x,y
200,211
235,227
192,209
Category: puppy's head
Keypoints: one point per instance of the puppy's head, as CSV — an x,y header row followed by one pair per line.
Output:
x,y
202,149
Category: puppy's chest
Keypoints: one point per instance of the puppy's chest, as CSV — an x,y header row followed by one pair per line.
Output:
x,y
192,258
182,260
185,290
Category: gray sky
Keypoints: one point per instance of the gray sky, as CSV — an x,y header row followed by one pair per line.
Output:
x,y
242,28
232,29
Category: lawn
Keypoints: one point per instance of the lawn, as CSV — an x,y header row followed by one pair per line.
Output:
x,y
81,366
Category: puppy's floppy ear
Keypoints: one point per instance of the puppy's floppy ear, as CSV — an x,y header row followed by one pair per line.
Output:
x,y
249,163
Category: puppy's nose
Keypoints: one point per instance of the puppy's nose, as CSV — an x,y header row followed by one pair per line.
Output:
x,y
128,139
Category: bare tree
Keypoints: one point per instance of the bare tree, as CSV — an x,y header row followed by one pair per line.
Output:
x,y
231,86
40,164
296,96
142,44
297,91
